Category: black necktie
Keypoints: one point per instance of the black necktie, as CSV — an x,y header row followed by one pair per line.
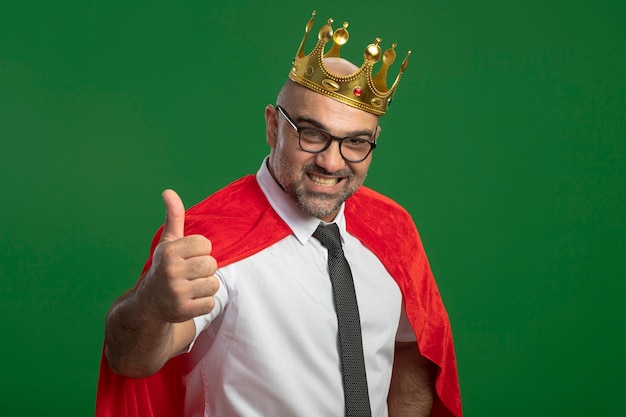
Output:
x,y
349,323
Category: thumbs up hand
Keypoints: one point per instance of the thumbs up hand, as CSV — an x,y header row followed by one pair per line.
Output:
x,y
181,283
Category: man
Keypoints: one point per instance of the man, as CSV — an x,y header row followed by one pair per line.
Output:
x,y
235,314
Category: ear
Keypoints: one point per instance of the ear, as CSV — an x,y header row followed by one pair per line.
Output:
x,y
378,129
271,125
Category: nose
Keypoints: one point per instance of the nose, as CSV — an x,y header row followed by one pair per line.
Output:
x,y
331,159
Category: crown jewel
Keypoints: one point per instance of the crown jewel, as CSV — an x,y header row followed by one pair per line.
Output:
x,y
360,89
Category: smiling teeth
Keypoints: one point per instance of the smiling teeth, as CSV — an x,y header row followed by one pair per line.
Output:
x,y
324,181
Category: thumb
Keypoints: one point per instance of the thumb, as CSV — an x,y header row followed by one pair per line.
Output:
x,y
174,216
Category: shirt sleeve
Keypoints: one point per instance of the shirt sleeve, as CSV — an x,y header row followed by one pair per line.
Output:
x,y
405,331
203,321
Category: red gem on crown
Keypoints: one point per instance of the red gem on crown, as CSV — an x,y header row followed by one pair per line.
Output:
x,y
357,91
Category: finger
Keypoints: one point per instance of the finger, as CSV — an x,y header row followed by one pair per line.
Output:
x,y
199,267
174,216
187,247
203,287
185,269
199,306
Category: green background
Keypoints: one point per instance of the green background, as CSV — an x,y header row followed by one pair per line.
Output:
x,y
506,141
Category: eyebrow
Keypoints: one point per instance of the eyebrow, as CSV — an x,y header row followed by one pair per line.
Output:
x,y
355,133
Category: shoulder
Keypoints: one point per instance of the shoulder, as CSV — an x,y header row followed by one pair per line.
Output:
x,y
374,206
233,210
238,219
244,191
382,224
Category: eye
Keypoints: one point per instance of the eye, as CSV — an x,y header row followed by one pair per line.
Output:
x,y
356,143
313,135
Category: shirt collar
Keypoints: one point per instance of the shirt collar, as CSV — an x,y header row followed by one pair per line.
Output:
x,y
302,224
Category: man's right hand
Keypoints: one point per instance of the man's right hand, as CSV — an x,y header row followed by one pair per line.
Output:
x,y
181,283
151,324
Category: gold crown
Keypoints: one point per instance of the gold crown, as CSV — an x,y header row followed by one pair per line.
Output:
x,y
360,89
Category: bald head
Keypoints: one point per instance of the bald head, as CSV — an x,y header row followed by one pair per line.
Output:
x,y
338,66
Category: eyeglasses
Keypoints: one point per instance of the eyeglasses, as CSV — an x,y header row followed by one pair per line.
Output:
x,y
314,140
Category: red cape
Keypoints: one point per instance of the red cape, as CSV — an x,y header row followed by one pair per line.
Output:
x,y
240,222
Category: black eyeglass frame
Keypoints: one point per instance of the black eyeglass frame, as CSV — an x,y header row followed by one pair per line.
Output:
x,y
299,129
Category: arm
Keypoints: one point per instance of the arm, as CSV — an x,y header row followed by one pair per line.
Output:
x,y
412,383
154,321
139,344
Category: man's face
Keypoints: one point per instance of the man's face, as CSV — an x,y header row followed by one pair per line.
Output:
x,y
321,182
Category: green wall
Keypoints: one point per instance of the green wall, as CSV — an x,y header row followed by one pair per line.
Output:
x,y
506,142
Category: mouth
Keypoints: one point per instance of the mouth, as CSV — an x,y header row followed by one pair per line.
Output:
x,y
326,182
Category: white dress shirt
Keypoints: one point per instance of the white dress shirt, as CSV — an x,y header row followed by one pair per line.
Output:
x,y
270,346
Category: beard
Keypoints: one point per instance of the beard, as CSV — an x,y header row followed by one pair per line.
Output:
x,y
318,204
